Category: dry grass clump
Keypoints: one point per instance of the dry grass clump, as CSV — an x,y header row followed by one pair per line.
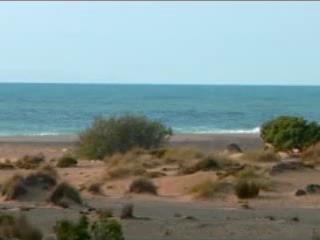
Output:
x,y
64,192
209,189
261,156
143,185
124,171
312,155
17,228
30,161
95,188
13,188
18,185
256,175
7,164
247,189
67,161
182,154
211,162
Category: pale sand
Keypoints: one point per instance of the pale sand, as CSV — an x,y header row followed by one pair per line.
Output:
x,y
273,217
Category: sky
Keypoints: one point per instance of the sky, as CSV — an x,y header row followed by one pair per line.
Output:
x,y
260,43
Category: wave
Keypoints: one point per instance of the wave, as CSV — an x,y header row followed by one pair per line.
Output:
x,y
219,131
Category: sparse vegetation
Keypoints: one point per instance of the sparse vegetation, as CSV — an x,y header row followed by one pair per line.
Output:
x,y
261,156
17,228
312,155
67,230
95,188
288,133
209,189
67,161
181,154
121,134
123,171
64,192
7,164
30,162
247,189
143,185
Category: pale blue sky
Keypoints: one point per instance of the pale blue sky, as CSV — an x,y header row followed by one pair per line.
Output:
x,y
160,42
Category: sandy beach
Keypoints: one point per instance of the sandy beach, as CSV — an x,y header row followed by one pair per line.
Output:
x,y
173,214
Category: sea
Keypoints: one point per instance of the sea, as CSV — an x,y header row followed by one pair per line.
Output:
x,y
63,109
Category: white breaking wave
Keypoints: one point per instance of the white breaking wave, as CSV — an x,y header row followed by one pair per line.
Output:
x,y
221,131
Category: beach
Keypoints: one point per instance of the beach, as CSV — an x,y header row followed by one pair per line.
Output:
x,y
173,214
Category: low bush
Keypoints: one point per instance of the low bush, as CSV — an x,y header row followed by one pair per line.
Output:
x,y
209,189
63,192
105,228
67,230
121,134
127,211
287,133
143,185
13,188
67,161
30,161
17,228
247,189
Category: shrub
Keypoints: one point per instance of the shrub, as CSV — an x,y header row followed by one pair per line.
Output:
x,y
17,228
107,228
120,134
127,211
143,185
95,188
247,189
30,162
67,230
287,133
209,189
62,192
312,155
7,164
67,161
13,187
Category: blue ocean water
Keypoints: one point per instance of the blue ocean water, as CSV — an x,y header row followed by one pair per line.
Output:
x,y
49,109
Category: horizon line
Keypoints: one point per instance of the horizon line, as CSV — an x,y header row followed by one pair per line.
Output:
x,y
167,84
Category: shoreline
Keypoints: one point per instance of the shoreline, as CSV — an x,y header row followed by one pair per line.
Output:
x,y
206,142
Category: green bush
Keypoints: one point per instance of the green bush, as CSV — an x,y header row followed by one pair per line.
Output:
x,y
67,230
247,189
287,133
120,134
67,161
105,228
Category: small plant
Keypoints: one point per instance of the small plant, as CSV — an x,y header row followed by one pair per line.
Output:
x,y
127,211
67,161
247,189
95,188
17,228
67,230
287,133
121,134
30,162
107,228
62,192
209,189
143,185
